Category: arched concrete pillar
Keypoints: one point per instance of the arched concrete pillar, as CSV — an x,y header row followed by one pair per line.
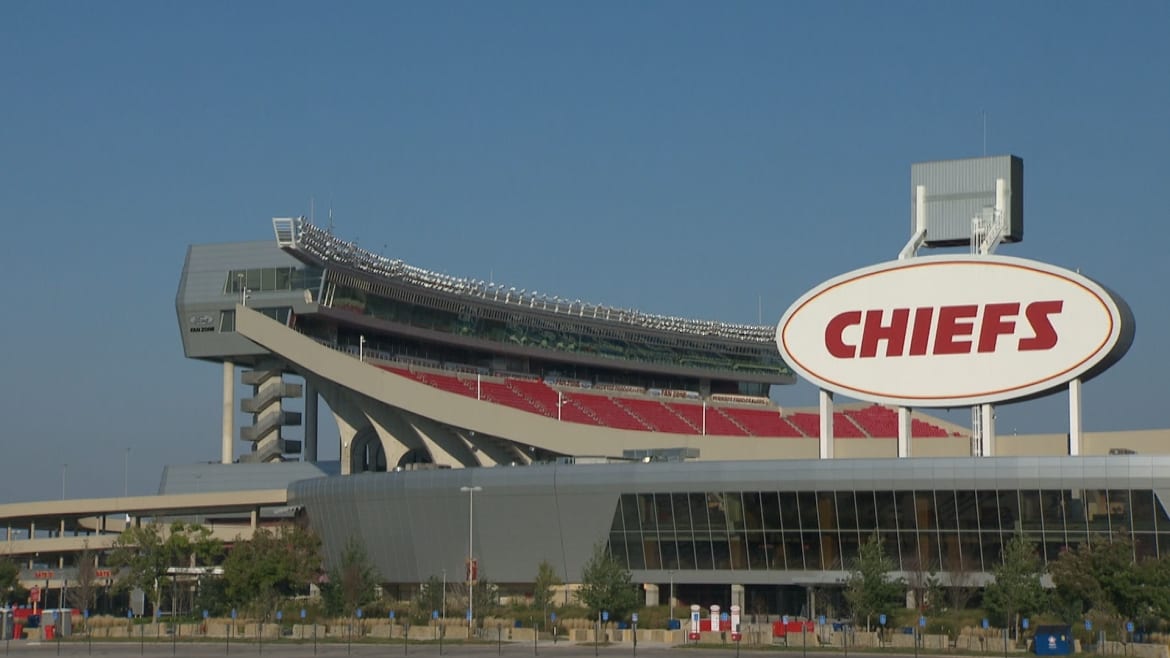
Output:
x,y
348,416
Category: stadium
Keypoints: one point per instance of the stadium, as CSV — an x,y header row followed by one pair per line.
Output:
x,y
501,427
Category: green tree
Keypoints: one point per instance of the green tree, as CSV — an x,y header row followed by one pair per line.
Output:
x,y
147,552
139,549
429,598
1016,590
1104,581
542,588
606,585
352,583
869,589
487,596
83,591
10,589
276,563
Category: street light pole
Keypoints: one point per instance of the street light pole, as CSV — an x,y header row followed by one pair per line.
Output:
x,y
470,491
361,347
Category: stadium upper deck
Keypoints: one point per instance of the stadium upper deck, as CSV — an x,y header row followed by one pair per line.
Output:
x,y
492,327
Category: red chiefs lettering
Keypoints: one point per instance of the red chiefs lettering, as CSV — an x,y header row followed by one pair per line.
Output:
x,y
960,329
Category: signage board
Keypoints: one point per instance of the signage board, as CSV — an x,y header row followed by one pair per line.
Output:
x,y
956,330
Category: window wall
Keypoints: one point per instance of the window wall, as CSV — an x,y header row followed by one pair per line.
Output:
x,y
922,530
271,279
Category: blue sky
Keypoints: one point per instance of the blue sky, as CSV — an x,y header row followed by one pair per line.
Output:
x,y
710,160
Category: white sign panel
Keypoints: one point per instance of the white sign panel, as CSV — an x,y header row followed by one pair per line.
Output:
x,y
942,331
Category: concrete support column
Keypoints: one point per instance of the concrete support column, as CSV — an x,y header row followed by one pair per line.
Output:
x,y
1075,431
651,594
227,431
826,425
255,517
812,602
737,596
310,448
904,431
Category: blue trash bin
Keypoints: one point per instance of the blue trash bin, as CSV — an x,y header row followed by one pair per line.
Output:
x,y
673,625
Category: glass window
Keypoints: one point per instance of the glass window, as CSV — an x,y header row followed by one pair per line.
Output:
x,y
227,321
789,511
268,278
906,510
1145,545
850,548
1097,509
752,511
950,554
634,548
757,551
811,543
992,549
703,557
1009,512
647,519
617,548
678,554
886,510
988,503
967,508
806,502
283,278
682,513
717,512
702,524
770,510
732,506
867,519
253,279
972,556
946,511
1142,511
1031,519
925,512
911,560
1120,519
630,512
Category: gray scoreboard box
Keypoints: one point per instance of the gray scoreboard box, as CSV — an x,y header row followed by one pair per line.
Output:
x,y
959,190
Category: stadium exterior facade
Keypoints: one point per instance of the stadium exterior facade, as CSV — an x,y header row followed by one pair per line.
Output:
x,y
439,384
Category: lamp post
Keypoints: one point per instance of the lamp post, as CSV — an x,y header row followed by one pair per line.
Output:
x,y
361,347
470,491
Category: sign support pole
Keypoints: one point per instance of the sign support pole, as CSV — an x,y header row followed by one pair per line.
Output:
x,y
1074,417
826,424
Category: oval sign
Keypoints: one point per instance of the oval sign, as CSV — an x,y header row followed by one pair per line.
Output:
x,y
957,330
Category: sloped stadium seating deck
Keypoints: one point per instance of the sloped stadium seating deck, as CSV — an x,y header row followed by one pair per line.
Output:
x,y
626,410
